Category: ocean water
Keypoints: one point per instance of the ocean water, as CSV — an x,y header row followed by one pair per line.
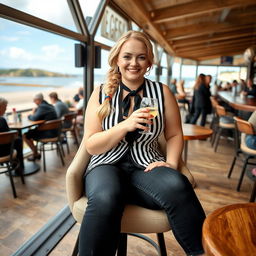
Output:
x,y
46,83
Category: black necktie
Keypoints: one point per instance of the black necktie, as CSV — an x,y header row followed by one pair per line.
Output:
x,y
126,103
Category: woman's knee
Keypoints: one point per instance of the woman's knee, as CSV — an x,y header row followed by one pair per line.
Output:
x,y
105,201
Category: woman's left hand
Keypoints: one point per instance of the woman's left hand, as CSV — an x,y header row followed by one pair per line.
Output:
x,y
151,166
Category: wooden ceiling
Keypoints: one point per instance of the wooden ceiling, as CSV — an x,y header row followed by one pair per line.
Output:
x,y
198,30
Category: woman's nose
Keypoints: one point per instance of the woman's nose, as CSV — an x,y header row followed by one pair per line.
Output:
x,y
133,61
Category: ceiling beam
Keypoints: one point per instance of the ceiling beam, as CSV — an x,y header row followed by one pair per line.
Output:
x,y
136,11
214,37
204,29
194,8
252,40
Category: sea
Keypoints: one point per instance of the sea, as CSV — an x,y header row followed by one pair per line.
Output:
x,y
23,84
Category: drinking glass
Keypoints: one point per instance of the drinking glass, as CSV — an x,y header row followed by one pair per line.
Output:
x,y
152,104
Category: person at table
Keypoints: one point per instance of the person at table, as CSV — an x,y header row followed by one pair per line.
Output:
x,y
60,107
127,166
18,145
250,89
181,96
201,100
43,111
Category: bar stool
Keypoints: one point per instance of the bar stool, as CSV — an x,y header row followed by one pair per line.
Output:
x,y
230,231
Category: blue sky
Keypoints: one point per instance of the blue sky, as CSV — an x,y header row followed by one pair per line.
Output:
x,y
26,47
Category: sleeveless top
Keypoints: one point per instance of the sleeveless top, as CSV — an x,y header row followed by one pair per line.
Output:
x,y
144,149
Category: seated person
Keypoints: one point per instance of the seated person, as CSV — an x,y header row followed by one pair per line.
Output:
x,y
76,98
60,107
44,111
181,95
5,149
250,140
250,89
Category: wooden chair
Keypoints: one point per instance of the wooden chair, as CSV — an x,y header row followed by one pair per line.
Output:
x,y
224,122
47,126
7,162
135,219
70,118
243,128
230,231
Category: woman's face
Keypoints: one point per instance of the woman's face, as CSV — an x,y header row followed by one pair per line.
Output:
x,y
133,61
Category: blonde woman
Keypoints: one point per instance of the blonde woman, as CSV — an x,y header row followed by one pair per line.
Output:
x,y
127,166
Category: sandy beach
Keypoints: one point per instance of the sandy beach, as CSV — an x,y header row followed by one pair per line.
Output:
x,y
24,100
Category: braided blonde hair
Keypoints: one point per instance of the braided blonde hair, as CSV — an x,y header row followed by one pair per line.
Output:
x,y
113,75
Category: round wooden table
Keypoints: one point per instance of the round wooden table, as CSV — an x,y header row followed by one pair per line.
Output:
x,y
231,231
194,132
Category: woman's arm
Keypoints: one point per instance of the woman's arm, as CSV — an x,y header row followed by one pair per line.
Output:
x,y
98,141
173,130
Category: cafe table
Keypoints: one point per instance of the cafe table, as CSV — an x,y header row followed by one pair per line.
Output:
x,y
246,103
231,231
29,167
194,132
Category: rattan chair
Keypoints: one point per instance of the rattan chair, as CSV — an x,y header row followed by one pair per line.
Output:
x,y
243,128
55,142
136,220
7,162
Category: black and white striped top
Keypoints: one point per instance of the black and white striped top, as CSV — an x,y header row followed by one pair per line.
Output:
x,y
144,150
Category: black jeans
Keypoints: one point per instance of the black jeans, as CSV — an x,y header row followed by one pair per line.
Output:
x,y
197,113
110,187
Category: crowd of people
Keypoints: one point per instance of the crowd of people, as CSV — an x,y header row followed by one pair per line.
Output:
x,y
56,109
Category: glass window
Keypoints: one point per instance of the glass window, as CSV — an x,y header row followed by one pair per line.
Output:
x,y
33,60
100,73
208,70
89,7
228,74
164,60
163,77
188,74
56,11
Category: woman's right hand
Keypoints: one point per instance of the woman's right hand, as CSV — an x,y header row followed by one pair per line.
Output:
x,y
138,119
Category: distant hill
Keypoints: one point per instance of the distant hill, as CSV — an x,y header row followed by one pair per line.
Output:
x,y
30,72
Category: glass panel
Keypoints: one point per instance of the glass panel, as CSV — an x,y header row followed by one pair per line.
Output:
x,y
48,61
208,70
100,73
56,11
89,7
164,60
227,74
188,74
163,77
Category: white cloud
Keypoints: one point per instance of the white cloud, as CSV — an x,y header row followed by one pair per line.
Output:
x,y
51,52
9,38
17,53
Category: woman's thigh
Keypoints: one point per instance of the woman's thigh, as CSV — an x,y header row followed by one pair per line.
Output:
x,y
158,188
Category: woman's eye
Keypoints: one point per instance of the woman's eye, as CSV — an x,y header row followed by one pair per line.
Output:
x,y
142,57
126,57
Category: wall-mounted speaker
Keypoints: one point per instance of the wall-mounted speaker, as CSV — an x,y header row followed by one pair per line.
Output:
x,y
80,55
97,60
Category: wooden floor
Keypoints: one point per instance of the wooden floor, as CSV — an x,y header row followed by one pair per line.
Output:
x,y
44,195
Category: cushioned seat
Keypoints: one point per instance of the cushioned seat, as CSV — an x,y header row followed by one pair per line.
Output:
x,y
136,219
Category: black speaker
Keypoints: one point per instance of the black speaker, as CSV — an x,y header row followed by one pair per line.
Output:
x,y
80,55
97,60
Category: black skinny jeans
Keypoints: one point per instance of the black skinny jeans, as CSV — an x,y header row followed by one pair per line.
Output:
x,y
110,187
197,113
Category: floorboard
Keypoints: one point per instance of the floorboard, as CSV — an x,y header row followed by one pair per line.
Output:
x,y
44,195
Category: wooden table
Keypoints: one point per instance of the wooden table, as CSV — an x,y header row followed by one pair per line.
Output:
x,y
29,167
194,132
238,103
231,231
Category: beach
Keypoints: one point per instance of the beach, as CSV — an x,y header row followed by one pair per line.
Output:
x,y
24,100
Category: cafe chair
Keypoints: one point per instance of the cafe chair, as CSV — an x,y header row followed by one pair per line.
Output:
x,y
9,162
55,142
225,123
243,128
70,118
136,220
